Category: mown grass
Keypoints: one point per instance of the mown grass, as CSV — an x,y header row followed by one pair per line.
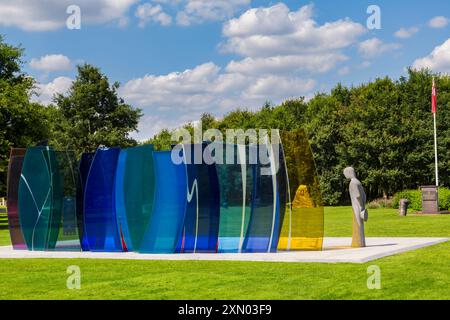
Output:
x,y
419,274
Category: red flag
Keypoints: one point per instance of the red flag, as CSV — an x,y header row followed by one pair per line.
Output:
x,y
433,98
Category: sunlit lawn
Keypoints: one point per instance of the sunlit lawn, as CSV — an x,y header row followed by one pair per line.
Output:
x,y
419,274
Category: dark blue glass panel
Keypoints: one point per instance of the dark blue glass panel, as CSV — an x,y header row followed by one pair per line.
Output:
x,y
83,171
169,209
120,202
201,228
263,230
99,202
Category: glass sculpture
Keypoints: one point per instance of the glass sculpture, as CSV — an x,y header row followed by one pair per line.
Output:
x,y
262,234
99,202
303,226
83,172
236,187
163,232
40,199
135,194
201,227
14,172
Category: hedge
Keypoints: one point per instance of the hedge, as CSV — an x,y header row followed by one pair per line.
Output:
x,y
415,199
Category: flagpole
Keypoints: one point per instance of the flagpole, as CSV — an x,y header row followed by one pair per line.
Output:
x,y
434,110
435,151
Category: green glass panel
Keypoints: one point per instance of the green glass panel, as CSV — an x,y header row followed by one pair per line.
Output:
x,y
40,199
139,192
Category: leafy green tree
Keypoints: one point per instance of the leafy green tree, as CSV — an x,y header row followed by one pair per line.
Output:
x,y
92,114
22,123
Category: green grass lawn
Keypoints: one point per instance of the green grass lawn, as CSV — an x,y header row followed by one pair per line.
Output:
x,y
420,274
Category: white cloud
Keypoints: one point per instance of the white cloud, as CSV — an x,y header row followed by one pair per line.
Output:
x,y
147,13
32,15
281,51
315,63
277,30
374,47
198,11
180,97
439,22
438,60
51,62
405,33
46,91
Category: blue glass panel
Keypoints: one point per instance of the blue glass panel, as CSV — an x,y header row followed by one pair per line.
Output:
x,y
263,229
120,202
169,208
83,171
201,228
99,202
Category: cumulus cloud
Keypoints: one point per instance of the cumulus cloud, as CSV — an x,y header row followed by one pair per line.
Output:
x,y
51,62
281,52
277,30
148,12
46,91
315,63
374,47
439,22
32,15
181,97
438,60
405,33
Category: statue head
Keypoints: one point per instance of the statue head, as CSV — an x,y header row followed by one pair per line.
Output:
x,y
349,173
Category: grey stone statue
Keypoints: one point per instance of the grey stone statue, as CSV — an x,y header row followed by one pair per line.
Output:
x,y
360,214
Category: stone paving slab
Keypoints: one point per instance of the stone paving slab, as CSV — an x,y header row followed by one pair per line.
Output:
x,y
336,250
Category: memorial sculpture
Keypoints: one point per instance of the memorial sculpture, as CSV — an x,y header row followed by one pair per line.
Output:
x,y
360,214
140,200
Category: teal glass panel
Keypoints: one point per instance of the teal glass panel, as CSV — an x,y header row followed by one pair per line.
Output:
x,y
236,187
169,209
40,199
135,193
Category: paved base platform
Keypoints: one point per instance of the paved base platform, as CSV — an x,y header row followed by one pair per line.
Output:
x,y
336,250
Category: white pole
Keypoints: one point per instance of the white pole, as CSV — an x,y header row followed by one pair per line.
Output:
x,y
435,151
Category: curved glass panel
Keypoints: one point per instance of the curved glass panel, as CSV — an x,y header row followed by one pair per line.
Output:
x,y
303,226
166,224
99,203
68,236
136,191
120,202
262,234
40,199
201,228
83,171
236,187
14,172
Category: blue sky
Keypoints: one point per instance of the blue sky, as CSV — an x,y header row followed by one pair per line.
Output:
x,y
177,59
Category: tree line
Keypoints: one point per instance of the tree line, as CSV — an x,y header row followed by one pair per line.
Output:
x,y
383,128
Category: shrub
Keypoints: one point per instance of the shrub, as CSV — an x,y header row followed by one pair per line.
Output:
x,y
415,199
380,203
